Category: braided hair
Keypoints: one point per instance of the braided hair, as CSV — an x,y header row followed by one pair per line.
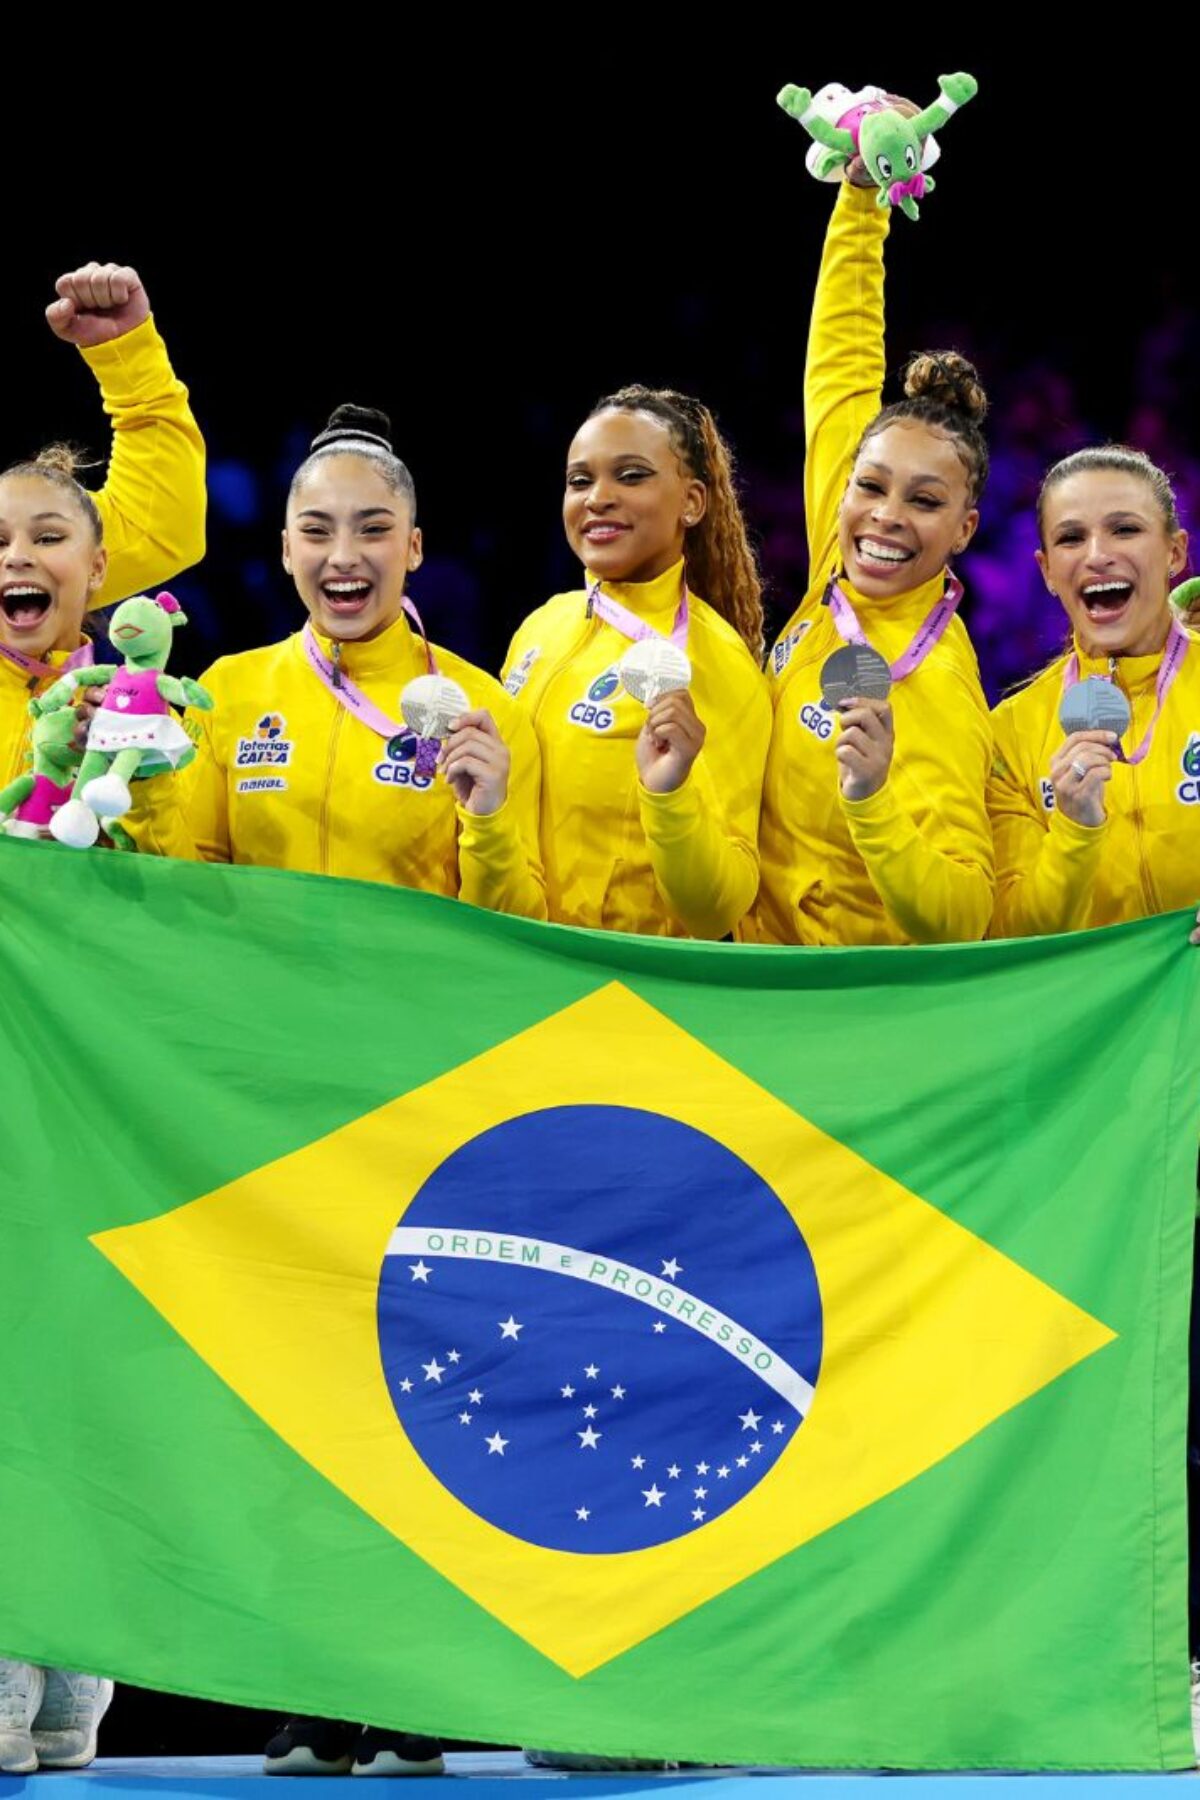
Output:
x,y
719,559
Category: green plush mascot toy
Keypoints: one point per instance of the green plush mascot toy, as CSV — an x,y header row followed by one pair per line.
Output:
x,y
133,733
896,150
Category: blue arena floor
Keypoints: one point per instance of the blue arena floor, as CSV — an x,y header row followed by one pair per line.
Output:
x,y
493,1773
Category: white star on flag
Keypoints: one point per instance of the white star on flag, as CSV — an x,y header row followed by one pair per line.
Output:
x,y
496,1444
700,1493
476,1396
749,1420
672,1269
639,1462
697,1512
778,1427
509,1327
406,1386
591,1371
589,1412
659,1325
618,1392
433,1370
755,1448
581,1512
722,1472
453,1356
589,1439
420,1271
743,1462
673,1471
654,1496
465,1418
568,1393
702,1468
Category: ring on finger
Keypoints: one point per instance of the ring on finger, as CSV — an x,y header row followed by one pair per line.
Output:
x,y
1079,769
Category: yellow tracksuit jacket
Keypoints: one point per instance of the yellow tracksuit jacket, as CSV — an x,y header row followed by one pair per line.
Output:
x,y
912,864
152,502
666,865
286,778
1054,875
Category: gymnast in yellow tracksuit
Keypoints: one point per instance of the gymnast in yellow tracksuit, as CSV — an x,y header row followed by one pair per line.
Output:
x,y
304,761
649,820
64,549
874,828
1088,830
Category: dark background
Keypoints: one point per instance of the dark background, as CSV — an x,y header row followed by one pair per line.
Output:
x,y
482,242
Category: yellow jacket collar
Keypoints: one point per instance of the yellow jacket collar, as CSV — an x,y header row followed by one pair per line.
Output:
x,y
916,602
1134,673
396,654
648,599
53,659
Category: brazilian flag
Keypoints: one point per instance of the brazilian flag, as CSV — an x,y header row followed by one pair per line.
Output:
x,y
547,1337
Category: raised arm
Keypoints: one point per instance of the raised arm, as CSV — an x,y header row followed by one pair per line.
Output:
x,y
153,499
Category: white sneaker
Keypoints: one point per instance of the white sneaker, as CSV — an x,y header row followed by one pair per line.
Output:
x,y
107,795
21,1687
65,1728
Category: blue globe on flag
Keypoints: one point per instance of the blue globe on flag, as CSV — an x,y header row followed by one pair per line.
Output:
x,y
599,1327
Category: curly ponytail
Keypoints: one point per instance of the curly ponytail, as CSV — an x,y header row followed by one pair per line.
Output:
x,y
718,556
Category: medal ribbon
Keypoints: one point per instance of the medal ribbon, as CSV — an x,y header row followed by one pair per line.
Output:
x,y
929,634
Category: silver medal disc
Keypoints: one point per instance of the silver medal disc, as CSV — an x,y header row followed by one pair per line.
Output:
x,y
428,704
1094,704
653,667
855,672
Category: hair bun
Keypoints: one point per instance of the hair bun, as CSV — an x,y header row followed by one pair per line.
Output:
x,y
360,424
60,459
946,379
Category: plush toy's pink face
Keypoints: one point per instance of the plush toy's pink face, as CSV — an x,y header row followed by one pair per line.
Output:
x,y
1109,557
349,544
50,565
907,509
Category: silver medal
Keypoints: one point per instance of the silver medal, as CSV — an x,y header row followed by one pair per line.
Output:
x,y
653,667
855,672
1094,704
428,704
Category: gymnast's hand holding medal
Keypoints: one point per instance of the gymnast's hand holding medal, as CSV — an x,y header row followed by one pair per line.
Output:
x,y
855,683
656,671
461,741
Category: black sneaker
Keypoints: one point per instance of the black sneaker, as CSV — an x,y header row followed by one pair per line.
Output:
x,y
380,1752
307,1746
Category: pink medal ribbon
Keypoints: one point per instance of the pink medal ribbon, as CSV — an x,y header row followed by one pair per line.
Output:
x,y
347,694
1177,646
628,623
929,633
83,658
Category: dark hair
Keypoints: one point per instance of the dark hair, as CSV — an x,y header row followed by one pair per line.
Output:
x,y
360,431
57,463
1127,461
942,389
718,555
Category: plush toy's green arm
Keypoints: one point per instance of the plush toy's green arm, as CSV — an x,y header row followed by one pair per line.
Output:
x,y
184,692
67,686
16,791
796,102
1186,600
956,91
